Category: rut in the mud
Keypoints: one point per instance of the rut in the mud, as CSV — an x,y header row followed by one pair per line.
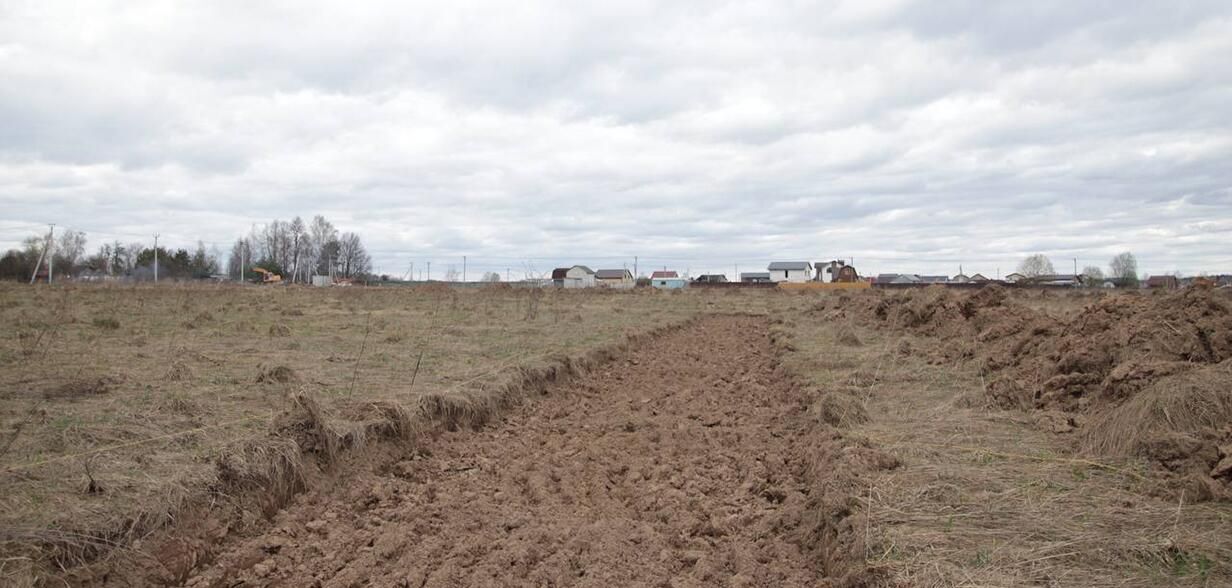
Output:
x,y
689,461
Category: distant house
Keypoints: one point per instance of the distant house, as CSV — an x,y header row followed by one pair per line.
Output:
x,y
790,271
578,276
614,278
935,279
897,279
1068,280
754,277
667,279
835,271
960,279
1162,282
711,279
979,278
1015,277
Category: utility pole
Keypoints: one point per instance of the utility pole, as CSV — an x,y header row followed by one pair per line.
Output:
x,y
44,255
243,253
506,274
429,271
635,267
155,258
51,251
463,268
1075,266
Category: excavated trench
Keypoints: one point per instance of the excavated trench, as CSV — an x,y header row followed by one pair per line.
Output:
x,y
690,460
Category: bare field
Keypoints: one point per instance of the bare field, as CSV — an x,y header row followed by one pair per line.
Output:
x,y
921,438
122,405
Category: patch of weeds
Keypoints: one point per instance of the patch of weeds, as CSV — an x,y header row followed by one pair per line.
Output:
x,y
65,422
1079,472
982,559
107,323
986,458
1183,563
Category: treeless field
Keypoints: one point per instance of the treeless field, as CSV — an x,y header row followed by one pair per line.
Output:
x,y
272,436
121,406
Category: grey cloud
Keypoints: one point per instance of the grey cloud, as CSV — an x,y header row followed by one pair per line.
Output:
x,y
911,136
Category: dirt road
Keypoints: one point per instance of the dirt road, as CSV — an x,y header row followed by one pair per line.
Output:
x,y
679,464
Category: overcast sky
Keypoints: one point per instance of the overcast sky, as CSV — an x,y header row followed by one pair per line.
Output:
x,y
911,136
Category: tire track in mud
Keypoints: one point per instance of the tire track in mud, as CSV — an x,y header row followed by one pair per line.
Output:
x,y
688,461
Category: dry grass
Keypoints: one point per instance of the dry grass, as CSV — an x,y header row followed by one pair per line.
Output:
x,y
181,389
988,498
1190,401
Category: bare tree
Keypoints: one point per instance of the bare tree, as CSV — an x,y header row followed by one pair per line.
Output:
x,y
1124,268
1036,265
320,233
299,239
491,277
70,249
451,274
1092,276
353,260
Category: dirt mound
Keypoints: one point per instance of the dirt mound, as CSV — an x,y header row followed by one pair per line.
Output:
x,y
1183,422
279,374
82,388
845,335
1102,359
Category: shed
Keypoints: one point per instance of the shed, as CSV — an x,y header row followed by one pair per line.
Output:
x,y
790,271
754,277
712,279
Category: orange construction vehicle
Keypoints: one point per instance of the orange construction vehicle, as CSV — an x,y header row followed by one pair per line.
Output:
x,y
267,277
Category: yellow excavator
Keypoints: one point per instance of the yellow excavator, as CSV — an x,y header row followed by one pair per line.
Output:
x,y
267,277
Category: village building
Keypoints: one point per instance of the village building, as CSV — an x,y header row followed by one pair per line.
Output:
x,y
754,277
578,276
614,278
711,279
790,271
1055,280
1014,278
897,279
1162,282
667,279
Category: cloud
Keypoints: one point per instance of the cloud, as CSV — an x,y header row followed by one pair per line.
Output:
x,y
911,136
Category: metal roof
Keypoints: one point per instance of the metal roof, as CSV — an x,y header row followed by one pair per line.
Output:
x,y
665,274
754,275
612,274
778,266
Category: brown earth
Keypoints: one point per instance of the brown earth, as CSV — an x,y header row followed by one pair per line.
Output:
x,y
692,460
1091,366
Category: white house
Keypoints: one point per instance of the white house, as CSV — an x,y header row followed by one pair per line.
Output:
x,y
790,271
578,276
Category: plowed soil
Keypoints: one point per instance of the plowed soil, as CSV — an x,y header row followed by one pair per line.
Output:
x,y
690,461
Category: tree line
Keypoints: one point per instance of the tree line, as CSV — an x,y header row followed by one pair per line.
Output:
x,y
1123,268
297,250
293,249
